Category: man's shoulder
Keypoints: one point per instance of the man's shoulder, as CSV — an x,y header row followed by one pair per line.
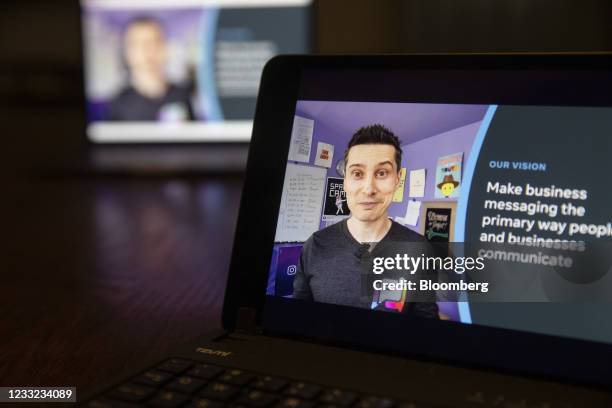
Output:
x,y
127,92
326,238
325,241
332,232
399,232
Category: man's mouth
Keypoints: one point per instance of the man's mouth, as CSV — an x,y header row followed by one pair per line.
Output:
x,y
367,205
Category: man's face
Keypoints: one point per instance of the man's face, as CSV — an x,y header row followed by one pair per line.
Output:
x,y
145,47
370,181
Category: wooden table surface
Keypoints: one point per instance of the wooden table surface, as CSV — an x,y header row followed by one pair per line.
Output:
x,y
100,274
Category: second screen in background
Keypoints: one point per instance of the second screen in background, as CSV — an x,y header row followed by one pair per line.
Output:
x,y
192,64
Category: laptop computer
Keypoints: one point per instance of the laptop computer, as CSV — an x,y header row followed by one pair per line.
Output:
x,y
499,159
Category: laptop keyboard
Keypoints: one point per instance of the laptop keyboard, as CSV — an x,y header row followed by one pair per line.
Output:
x,y
183,383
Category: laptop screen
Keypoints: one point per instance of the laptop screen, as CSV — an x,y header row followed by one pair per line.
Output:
x,y
182,70
494,214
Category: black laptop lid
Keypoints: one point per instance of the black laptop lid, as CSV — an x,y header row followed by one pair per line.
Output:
x,y
502,186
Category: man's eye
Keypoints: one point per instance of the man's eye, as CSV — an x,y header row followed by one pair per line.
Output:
x,y
356,174
382,173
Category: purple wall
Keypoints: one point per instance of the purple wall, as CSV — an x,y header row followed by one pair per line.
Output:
x,y
411,122
424,154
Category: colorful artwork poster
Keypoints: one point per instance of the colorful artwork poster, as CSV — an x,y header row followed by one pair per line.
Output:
x,y
448,176
437,224
335,206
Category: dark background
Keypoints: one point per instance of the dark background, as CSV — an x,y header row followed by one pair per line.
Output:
x,y
100,272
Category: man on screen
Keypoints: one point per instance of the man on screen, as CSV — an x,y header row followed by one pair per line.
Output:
x,y
332,259
149,96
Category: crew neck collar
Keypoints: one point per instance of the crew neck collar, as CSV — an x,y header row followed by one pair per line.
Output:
x,y
351,239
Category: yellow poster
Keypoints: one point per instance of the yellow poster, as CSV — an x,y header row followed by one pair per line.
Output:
x,y
398,197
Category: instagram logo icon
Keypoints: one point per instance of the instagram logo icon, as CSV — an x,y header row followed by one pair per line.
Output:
x,y
291,270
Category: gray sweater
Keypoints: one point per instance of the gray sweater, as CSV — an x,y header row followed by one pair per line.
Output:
x,y
336,268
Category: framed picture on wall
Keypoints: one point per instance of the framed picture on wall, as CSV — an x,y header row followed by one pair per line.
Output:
x,y
448,176
335,207
438,221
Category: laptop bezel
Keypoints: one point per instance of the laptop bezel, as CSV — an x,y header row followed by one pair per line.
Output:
x,y
566,359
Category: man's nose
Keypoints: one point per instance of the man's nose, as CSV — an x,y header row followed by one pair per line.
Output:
x,y
370,185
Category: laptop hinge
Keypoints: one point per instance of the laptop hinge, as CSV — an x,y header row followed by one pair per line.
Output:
x,y
246,321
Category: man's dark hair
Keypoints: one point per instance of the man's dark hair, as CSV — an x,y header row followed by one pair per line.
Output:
x,y
375,134
143,19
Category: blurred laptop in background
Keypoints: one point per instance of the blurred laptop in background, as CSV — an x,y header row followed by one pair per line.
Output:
x,y
161,74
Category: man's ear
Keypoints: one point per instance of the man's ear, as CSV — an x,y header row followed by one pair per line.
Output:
x,y
399,178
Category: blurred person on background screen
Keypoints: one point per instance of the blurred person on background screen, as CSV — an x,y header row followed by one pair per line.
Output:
x,y
149,95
